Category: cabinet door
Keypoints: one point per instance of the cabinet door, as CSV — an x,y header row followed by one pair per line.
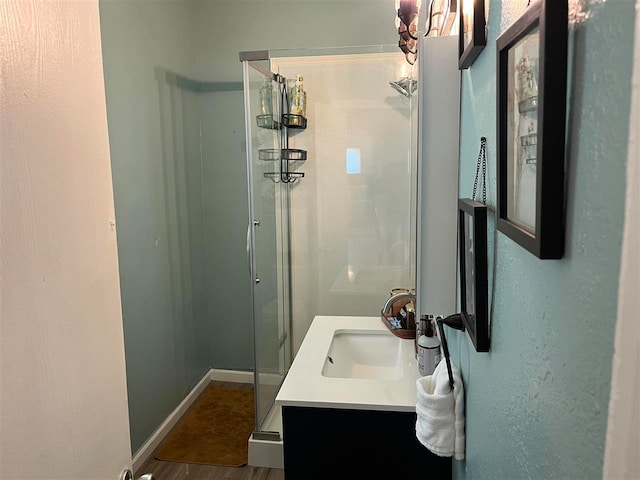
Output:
x,y
319,442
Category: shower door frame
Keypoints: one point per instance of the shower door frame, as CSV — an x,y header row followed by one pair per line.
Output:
x,y
249,60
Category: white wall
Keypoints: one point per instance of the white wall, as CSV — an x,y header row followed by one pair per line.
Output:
x,y
63,399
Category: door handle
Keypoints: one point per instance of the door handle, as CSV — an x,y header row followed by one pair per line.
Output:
x,y
255,223
249,248
128,475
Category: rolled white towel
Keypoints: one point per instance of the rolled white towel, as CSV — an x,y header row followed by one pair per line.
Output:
x,y
440,412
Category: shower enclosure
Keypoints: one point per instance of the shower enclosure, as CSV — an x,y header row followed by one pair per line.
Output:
x,y
332,198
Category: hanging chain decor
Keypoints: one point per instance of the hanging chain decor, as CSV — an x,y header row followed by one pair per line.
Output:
x,y
482,163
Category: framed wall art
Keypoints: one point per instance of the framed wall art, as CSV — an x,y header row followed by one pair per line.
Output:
x,y
473,32
472,242
531,110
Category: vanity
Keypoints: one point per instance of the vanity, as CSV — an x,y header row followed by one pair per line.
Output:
x,y
349,401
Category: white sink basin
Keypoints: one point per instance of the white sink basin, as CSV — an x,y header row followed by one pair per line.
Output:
x,y
372,354
372,369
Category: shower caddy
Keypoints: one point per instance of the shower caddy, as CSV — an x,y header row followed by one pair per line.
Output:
x,y
289,158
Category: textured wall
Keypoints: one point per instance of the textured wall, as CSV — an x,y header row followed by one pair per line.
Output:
x,y
154,134
537,403
63,398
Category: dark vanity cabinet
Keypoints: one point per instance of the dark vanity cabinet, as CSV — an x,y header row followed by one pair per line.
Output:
x,y
329,443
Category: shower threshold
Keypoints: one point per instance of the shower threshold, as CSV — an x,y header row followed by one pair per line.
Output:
x,y
264,452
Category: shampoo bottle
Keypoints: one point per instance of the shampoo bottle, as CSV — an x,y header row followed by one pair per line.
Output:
x,y
428,348
266,97
298,98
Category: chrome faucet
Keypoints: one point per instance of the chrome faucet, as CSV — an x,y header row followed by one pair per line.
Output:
x,y
403,295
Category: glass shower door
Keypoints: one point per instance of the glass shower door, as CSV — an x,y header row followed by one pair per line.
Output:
x,y
267,239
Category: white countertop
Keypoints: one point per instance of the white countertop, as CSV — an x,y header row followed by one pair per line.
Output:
x,y
305,385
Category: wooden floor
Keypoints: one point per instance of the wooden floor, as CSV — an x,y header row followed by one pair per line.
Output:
x,y
183,471
188,471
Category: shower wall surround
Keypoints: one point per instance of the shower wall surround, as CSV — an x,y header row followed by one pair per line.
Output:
x,y
352,232
541,395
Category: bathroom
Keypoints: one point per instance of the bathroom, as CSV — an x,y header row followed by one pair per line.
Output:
x,y
541,395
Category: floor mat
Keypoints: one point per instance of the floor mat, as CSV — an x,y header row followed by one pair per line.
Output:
x,y
215,430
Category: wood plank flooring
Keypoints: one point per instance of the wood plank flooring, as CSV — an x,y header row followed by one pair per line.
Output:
x,y
188,471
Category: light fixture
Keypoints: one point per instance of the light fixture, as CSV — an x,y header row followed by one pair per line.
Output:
x,y
407,13
441,15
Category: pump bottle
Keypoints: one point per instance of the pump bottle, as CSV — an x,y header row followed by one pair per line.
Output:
x,y
428,347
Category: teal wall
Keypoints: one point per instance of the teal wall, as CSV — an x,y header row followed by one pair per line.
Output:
x,y
536,405
155,158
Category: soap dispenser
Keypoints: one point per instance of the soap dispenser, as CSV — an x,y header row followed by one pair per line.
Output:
x,y
428,347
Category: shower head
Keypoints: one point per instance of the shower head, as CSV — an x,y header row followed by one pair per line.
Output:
x,y
405,86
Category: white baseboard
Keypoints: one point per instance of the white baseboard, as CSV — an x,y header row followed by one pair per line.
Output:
x,y
147,449
242,376
237,376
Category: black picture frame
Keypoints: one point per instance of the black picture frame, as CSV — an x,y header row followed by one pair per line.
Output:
x,y
474,22
474,289
531,112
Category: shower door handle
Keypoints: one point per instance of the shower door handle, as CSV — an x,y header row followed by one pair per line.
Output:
x,y
249,248
249,257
